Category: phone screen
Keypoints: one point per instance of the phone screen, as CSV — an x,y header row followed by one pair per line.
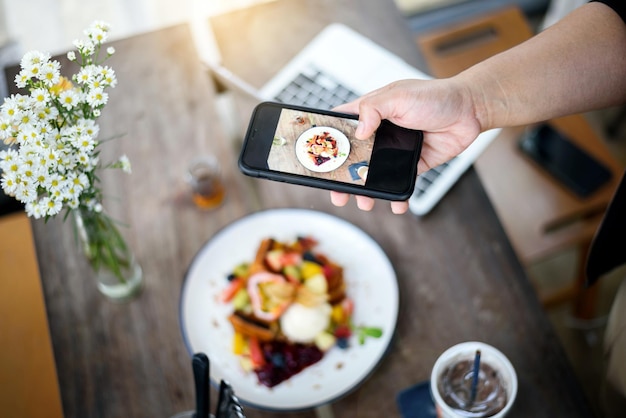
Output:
x,y
564,160
302,143
317,145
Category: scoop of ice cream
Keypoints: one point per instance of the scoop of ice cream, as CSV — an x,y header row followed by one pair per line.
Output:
x,y
301,323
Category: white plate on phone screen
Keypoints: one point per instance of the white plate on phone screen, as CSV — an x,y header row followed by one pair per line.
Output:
x,y
371,283
343,147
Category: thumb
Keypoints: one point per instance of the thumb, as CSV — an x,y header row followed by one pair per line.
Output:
x,y
369,121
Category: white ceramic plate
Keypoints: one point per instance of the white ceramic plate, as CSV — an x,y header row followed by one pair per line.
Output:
x,y
371,283
343,144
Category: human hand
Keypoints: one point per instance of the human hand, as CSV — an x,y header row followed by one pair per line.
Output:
x,y
442,109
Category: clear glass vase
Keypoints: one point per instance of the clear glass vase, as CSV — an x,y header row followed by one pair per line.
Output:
x,y
118,274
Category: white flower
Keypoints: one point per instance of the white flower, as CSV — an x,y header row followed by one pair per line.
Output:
x,y
99,24
79,181
97,97
25,191
9,184
125,164
53,182
50,73
8,156
72,192
73,203
32,69
51,158
21,79
28,175
94,205
44,116
40,96
84,143
10,161
79,44
87,127
52,132
96,34
51,206
26,118
95,83
88,48
34,58
69,99
86,74
6,128
27,135
33,209
10,108
107,76
84,158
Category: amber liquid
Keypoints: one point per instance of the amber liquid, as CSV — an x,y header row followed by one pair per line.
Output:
x,y
208,192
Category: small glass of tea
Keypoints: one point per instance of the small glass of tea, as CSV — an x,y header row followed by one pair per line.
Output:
x,y
204,177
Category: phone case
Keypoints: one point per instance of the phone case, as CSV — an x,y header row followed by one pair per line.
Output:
x,y
317,182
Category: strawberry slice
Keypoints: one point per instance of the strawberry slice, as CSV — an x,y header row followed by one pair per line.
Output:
x,y
342,331
233,287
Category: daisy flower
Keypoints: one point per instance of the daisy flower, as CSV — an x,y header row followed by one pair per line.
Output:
x,y
52,131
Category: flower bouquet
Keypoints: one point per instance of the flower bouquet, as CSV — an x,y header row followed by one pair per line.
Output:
x,y
52,161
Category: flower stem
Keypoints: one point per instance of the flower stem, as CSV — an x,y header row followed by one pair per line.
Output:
x,y
104,245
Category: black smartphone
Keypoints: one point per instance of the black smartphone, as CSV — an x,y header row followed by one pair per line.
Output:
x,y
317,148
564,160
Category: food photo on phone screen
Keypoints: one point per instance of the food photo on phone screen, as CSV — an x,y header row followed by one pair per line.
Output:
x,y
321,146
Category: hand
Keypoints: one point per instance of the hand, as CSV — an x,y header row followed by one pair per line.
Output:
x,y
443,109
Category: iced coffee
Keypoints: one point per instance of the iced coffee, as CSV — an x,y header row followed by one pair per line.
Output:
x,y
466,385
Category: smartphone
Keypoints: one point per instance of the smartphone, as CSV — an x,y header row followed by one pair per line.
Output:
x,y
317,148
564,160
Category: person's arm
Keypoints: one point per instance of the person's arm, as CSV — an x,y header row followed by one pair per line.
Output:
x,y
576,65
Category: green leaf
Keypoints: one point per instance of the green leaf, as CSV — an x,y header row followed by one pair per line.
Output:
x,y
364,332
373,332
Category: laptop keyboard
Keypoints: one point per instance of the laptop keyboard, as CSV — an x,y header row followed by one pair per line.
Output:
x,y
317,90
320,91
425,180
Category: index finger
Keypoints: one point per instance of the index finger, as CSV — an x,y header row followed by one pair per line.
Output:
x,y
350,107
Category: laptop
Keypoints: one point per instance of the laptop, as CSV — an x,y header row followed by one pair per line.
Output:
x,y
352,66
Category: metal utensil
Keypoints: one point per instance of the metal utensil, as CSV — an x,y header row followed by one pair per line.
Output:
x,y
228,405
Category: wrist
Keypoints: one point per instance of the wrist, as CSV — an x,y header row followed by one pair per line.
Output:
x,y
476,100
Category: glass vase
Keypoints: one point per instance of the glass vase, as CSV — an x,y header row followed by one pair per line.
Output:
x,y
118,274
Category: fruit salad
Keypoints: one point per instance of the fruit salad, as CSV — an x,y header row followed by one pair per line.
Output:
x,y
322,147
290,307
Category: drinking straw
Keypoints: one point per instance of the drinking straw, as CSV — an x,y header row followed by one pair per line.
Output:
x,y
475,374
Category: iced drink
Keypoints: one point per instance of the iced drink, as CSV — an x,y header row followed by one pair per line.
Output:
x,y
458,392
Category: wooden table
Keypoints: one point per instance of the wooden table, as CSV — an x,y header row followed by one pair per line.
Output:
x,y
458,275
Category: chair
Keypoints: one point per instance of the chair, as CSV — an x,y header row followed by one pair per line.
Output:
x,y
538,214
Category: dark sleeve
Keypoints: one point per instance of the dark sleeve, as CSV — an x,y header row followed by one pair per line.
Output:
x,y
618,5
